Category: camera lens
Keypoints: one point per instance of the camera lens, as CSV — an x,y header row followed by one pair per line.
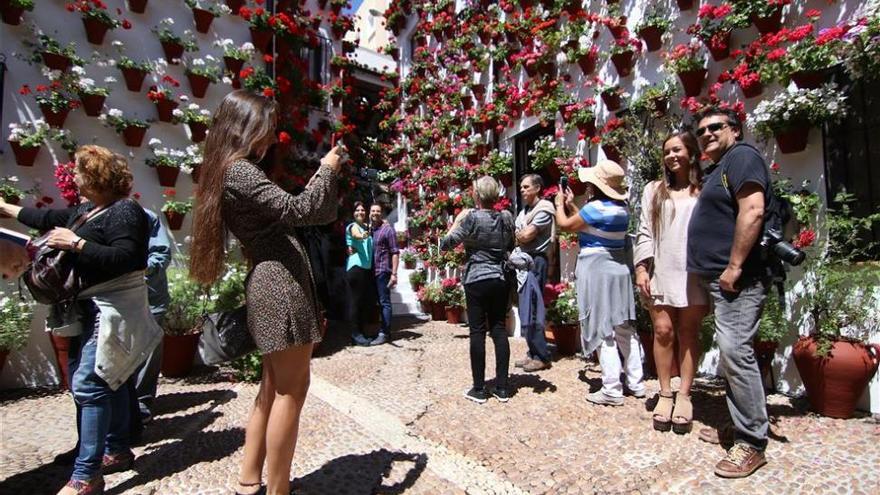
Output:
x,y
788,253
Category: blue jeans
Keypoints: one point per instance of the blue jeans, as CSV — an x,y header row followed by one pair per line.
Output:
x,y
384,293
535,338
102,413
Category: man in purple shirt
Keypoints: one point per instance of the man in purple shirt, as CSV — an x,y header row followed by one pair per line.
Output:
x,y
386,256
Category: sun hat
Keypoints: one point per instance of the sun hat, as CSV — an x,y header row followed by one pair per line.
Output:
x,y
608,176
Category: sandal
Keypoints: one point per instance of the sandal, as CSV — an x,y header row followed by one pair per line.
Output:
x,y
260,491
683,415
663,413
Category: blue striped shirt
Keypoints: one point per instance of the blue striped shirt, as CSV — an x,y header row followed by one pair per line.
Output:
x,y
606,224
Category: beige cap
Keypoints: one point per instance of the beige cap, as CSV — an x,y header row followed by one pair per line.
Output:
x,y
608,176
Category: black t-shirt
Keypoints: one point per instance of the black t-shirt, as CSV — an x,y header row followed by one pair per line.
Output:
x,y
713,223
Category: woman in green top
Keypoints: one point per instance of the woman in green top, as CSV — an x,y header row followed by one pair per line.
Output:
x,y
359,271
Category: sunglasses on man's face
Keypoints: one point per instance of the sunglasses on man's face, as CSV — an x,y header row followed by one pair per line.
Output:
x,y
713,128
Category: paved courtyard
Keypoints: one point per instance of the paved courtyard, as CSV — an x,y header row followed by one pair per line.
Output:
x,y
392,419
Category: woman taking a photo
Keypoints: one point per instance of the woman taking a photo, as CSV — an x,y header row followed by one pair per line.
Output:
x,y
359,271
603,281
673,297
108,236
283,313
488,239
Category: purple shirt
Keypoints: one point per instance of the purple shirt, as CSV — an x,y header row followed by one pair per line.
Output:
x,y
384,246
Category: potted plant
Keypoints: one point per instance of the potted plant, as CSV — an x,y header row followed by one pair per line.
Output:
x,y
96,19
193,161
163,97
166,161
9,191
452,295
133,71
174,44
611,95
431,295
834,360
137,6
766,15
65,138
790,114
654,24
258,23
408,256
187,302
714,25
654,100
612,138
563,317
622,52
196,118
51,53
417,279
689,63
175,211
808,59
12,10
15,325
132,130
234,57
544,155
257,80
204,12
201,72
863,49
91,96
54,102
26,140
498,164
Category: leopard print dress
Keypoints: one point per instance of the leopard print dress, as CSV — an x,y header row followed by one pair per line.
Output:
x,y
282,308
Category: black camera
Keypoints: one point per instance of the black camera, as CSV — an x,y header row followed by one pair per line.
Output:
x,y
773,242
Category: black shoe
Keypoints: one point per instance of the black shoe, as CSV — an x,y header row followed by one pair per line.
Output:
x,y
477,395
502,394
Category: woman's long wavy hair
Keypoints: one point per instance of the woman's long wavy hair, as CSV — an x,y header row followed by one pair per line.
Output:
x,y
695,177
240,129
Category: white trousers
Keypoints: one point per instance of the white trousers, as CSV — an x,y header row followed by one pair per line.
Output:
x,y
627,340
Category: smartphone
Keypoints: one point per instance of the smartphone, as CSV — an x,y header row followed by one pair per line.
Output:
x,y
563,183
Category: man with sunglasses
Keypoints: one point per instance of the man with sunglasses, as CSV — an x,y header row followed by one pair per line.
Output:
x,y
724,251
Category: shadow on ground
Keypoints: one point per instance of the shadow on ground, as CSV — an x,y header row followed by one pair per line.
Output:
x,y
169,403
14,394
357,474
338,335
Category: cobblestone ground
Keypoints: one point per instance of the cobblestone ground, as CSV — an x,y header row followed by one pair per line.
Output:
x,y
391,419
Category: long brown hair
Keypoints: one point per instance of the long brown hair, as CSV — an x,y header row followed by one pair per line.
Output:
x,y
695,177
240,126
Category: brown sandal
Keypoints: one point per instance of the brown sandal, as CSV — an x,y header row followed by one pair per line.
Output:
x,y
683,415
663,412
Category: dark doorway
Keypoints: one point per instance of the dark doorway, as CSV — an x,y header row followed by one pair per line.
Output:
x,y
522,162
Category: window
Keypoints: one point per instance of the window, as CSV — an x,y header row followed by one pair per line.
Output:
x,y
522,162
319,60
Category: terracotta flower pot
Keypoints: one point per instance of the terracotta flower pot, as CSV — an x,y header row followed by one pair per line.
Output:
x,y
618,31
453,314
203,19
167,175
13,200
173,52
623,62
719,53
409,265
198,84
753,90
769,24
61,347
178,353
438,312
54,119
793,140
137,6
198,131
588,129
24,155
234,5
92,104
612,101
12,15
234,65
685,4
175,219
165,109
261,39
134,78
611,152
808,79
56,61
692,81
587,64
652,36
835,383
95,31
134,136
566,337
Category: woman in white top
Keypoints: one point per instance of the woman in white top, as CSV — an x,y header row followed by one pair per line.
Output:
x,y
674,299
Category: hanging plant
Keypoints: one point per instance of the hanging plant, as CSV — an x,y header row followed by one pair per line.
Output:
x,y
173,44
654,24
581,116
12,10
166,161
689,63
196,118
808,57
51,52
175,210
258,23
54,101
714,25
622,53
132,130
96,19
204,12
790,115
91,95
201,72
164,98
26,140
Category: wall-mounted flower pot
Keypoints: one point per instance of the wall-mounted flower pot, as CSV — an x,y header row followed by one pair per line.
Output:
x,y
233,65
137,6
53,118
566,338
261,39
56,61
165,109
793,140
198,131
12,15
623,62
661,105
178,353
173,51
235,5
134,135
692,81
588,129
134,78
92,104
611,152
587,64
752,90
808,79
685,4
203,19
24,155
175,219
198,84
611,100
619,31
653,37
167,175
720,50
95,31
769,24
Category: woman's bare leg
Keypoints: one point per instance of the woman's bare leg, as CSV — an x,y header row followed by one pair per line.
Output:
x,y
255,436
291,375
688,330
663,318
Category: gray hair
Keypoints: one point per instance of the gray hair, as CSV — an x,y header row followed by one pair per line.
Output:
x,y
535,180
486,189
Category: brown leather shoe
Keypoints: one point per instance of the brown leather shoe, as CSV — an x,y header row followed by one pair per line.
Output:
x,y
536,365
723,436
742,460
115,463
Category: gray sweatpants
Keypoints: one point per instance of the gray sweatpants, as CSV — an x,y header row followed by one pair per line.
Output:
x,y
736,324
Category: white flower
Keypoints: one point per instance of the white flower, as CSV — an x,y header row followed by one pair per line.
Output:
x,y
155,142
247,46
115,112
198,61
77,70
211,58
205,112
177,112
184,98
167,21
109,80
192,106
226,80
117,44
